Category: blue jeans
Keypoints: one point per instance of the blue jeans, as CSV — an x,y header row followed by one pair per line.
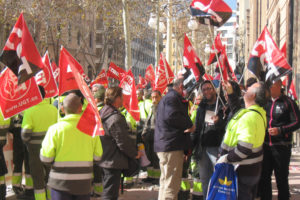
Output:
x,y
206,166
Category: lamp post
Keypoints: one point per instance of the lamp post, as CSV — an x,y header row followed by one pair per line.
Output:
x,y
155,22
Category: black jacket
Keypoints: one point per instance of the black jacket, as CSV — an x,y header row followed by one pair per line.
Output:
x,y
283,113
116,143
210,135
172,120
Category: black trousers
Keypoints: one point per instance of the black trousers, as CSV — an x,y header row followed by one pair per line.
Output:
x,y
248,179
38,171
111,184
3,168
20,153
151,155
277,158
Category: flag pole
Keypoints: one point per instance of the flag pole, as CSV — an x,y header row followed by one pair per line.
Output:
x,y
211,37
244,70
220,68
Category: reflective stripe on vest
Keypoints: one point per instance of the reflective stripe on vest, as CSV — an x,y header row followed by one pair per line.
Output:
x,y
65,176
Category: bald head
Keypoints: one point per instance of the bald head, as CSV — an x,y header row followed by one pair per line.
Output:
x,y
72,104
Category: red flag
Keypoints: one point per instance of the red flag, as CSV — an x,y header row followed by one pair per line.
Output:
x,y
66,78
20,53
266,61
130,100
45,78
15,98
283,49
101,79
218,48
163,75
291,85
90,121
213,12
115,72
208,77
55,71
142,83
292,91
227,71
150,76
191,60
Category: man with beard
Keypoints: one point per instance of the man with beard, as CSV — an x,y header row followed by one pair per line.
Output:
x,y
148,138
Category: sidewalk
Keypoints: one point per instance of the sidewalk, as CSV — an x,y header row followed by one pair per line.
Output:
x,y
142,191
148,193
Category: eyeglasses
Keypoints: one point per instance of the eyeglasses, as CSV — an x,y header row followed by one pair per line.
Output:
x,y
206,89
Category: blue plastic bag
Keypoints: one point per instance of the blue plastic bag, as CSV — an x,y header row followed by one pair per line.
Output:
x,y
223,184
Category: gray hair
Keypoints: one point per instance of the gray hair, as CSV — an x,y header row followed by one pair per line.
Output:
x,y
262,94
177,83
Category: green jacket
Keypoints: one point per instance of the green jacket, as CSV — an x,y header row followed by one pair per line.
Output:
x,y
71,153
36,121
245,135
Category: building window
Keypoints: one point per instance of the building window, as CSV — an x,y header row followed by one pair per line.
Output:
x,y
229,55
224,33
229,40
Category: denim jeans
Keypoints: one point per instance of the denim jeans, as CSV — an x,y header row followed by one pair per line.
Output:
x,y
206,166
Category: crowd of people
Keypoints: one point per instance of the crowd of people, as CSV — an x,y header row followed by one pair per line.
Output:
x,y
250,127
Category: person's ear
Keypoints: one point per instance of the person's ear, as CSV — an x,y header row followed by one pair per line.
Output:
x,y
79,109
62,109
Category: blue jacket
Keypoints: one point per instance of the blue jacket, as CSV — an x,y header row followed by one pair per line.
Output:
x,y
172,120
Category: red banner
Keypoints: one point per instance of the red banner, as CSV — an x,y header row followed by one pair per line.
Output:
x,y
163,75
45,78
16,98
115,72
150,76
142,82
130,100
55,71
90,121
101,79
66,78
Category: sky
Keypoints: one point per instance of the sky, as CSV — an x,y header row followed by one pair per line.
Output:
x,y
231,3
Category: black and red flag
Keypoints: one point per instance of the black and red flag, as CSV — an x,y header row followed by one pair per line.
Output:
x,y
20,53
288,81
191,60
193,68
216,48
212,12
227,71
266,61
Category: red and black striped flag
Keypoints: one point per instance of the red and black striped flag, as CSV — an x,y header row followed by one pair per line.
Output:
x,y
211,12
266,61
20,53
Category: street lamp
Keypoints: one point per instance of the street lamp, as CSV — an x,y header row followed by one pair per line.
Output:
x,y
193,24
207,49
152,23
